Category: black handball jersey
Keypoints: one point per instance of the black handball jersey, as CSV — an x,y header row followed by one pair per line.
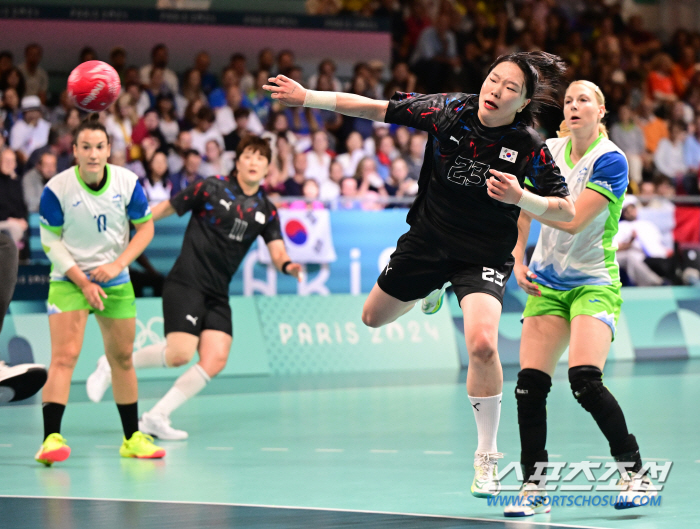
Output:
x,y
224,224
453,205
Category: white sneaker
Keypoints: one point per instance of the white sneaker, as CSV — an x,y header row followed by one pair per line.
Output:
x,y
486,482
21,381
530,500
635,489
432,303
99,380
158,426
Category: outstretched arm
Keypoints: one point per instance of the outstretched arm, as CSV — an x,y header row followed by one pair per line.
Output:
x,y
292,94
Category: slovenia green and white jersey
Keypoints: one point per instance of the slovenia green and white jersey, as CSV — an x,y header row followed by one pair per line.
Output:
x,y
563,261
94,225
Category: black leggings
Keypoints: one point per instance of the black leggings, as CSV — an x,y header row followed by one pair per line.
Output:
x,y
8,273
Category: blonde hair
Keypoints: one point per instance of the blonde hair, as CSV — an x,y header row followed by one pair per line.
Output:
x,y
602,129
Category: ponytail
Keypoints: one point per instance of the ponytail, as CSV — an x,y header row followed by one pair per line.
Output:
x,y
544,76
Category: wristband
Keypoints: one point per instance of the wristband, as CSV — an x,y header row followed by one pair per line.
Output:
x,y
284,267
532,203
322,100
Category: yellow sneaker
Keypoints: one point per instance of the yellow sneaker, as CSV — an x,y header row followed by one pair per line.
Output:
x,y
141,446
54,448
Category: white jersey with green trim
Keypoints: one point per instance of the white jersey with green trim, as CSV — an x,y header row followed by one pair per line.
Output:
x,y
94,225
563,261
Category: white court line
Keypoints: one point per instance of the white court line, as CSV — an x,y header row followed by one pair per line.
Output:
x,y
334,450
599,457
554,455
219,448
5,446
105,447
437,453
322,509
275,449
376,451
697,460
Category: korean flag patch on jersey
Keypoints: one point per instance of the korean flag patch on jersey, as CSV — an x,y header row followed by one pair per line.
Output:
x,y
508,155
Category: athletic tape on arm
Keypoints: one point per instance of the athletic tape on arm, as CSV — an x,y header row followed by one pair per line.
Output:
x,y
322,100
56,251
533,203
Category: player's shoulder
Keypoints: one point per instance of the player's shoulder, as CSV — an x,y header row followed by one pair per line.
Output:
x,y
554,144
607,147
122,174
61,183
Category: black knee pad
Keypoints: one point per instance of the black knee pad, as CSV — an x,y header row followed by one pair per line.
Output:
x,y
531,395
587,386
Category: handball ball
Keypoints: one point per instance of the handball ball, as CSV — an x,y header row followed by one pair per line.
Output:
x,y
93,86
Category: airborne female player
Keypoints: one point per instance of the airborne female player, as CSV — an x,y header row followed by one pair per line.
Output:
x,y
464,220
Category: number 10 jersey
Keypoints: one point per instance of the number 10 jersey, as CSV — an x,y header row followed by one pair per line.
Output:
x,y
93,224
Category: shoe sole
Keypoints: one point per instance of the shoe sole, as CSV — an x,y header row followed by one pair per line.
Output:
x,y
436,309
54,456
160,454
23,386
161,437
483,494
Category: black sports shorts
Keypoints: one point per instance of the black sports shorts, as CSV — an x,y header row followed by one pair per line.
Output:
x,y
419,266
186,309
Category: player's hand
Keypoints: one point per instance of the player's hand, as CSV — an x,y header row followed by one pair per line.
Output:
x,y
523,276
296,271
94,295
105,272
287,91
504,187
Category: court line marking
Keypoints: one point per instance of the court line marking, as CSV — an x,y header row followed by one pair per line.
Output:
x,y
437,452
322,509
219,448
333,450
5,446
275,449
378,451
599,457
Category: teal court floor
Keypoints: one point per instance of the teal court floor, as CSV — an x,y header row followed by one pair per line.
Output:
x,y
385,450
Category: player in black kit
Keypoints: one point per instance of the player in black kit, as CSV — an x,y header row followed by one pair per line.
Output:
x,y
228,214
464,220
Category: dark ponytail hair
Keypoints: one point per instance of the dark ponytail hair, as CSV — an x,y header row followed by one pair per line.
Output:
x,y
91,122
544,76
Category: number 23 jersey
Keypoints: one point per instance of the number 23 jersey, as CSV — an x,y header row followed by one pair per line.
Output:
x,y
452,202
223,226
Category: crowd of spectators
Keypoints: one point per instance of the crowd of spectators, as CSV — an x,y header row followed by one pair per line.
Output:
x,y
173,128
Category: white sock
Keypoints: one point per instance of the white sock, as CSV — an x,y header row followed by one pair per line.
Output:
x,y
487,412
187,386
150,356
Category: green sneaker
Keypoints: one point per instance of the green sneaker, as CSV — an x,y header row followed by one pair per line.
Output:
x,y
486,482
433,301
54,448
141,446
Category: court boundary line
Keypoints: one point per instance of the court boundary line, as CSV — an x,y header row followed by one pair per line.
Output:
x,y
322,509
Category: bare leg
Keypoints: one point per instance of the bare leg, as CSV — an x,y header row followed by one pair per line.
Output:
x,y
380,308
